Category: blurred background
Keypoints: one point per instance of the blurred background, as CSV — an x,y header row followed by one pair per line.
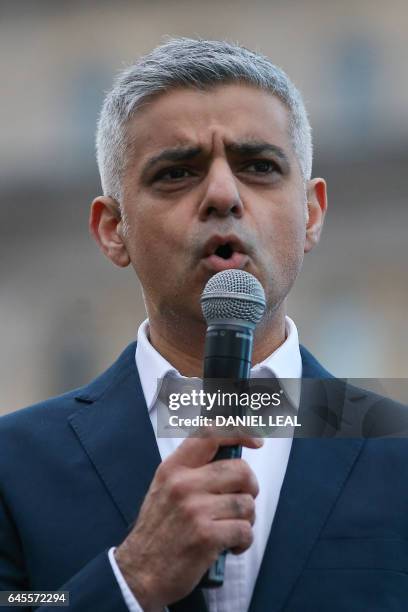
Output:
x,y
66,311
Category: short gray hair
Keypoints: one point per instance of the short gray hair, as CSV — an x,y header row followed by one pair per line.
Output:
x,y
201,64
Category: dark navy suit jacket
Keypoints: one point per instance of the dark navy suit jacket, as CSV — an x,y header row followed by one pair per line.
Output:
x,y
74,471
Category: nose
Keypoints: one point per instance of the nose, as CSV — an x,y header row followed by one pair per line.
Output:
x,y
222,197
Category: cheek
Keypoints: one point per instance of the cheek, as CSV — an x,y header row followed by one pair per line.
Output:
x,y
285,250
152,246
286,234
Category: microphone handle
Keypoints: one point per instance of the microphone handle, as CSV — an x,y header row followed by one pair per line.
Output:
x,y
228,352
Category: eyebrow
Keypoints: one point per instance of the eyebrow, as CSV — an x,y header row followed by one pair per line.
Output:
x,y
242,149
174,154
255,147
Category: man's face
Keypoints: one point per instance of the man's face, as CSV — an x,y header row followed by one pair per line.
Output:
x,y
211,183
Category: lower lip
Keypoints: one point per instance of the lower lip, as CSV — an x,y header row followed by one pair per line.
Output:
x,y
237,261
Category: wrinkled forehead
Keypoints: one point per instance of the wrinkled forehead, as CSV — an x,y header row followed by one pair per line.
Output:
x,y
226,115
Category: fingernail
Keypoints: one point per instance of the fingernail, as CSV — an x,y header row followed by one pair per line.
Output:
x,y
259,442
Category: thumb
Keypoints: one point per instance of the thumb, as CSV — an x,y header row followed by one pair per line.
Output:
x,y
195,452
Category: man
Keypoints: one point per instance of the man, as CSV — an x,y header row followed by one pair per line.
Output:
x,y
201,145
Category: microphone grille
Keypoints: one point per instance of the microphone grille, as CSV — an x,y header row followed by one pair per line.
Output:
x,y
233,294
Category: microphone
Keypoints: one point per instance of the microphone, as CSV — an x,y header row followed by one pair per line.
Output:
x,y
233,302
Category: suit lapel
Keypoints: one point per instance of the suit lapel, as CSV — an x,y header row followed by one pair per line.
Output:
x,y
115,431
114,428
316,472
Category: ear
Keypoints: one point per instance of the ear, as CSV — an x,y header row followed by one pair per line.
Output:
x,y
106,226
316,207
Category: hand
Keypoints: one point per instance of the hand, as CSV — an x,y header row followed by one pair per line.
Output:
x,y
193,510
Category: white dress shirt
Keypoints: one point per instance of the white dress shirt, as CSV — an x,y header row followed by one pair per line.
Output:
x,y
268,463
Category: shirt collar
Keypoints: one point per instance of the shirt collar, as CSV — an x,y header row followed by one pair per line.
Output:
x,y
284,363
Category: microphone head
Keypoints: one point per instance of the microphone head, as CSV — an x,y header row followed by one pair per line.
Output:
x,y
233,296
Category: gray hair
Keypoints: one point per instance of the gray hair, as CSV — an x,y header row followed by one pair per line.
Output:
x,y
185,62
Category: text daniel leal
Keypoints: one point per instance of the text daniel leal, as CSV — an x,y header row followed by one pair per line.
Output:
x,y
249,420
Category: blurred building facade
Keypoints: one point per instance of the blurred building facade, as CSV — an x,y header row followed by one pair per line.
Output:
x,y
66,311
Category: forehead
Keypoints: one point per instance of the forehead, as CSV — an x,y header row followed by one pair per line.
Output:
x,y
220,116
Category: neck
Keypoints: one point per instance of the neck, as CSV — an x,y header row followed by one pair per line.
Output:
x,y
182,345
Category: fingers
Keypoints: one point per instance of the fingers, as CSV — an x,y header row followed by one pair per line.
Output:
x,y
234,535
218,477
240,506
217,536
229,476
195,452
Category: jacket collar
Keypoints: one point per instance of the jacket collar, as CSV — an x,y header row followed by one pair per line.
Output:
x,y
114,428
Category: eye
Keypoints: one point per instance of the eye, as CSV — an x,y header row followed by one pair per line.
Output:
x,y
175,173
262,166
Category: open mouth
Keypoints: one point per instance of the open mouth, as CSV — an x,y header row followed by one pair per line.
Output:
x,y
225,251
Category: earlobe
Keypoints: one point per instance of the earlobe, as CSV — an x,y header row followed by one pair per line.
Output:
x,y
105,225
316,207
